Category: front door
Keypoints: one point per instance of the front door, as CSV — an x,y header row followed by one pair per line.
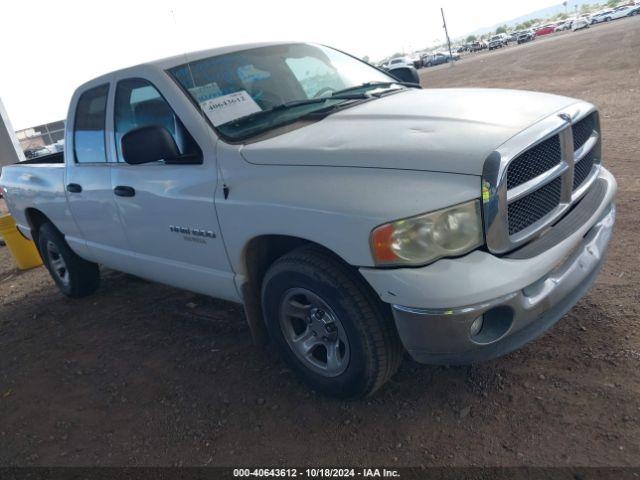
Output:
x,y
168,210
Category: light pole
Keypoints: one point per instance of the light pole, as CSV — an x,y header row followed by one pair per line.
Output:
x,y
446,32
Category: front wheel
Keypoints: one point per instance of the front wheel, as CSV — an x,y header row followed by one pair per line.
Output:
x,y
328,324
74,276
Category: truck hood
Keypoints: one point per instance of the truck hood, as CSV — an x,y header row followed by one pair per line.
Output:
x,y
442,130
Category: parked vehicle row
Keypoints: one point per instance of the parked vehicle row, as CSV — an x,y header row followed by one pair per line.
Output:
x,y
614,13
522,36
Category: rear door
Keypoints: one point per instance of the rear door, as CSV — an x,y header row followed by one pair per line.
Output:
x,y
88,180
169,215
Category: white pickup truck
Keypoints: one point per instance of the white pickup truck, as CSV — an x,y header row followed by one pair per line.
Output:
x,y
354,217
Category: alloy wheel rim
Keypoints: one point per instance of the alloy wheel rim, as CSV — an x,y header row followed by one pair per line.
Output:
x,y
314,332
57,264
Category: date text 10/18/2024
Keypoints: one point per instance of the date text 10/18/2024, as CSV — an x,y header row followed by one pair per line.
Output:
x,y
316,472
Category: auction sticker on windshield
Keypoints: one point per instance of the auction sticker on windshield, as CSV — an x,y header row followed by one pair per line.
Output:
x,y
227,108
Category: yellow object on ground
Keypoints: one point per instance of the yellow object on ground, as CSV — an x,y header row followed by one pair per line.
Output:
x,y
24,251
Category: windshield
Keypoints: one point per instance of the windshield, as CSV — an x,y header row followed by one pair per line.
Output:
x,y
249,84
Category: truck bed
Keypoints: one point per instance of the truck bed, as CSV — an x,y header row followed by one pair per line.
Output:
x,y
35,184
52,158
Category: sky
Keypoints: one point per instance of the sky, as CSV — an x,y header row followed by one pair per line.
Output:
x,y
48,48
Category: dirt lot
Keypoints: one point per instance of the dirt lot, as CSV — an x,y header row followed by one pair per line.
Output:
x,y
142,374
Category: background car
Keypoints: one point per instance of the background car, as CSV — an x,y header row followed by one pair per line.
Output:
x,y
453,56
497,41
600,16
525,36
399,62
438,58
477,46
545,30
579,24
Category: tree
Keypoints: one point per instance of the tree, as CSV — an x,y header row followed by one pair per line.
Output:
x,y
471,38
502,29
612,3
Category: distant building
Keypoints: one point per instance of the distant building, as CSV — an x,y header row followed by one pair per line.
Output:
x,y
38,137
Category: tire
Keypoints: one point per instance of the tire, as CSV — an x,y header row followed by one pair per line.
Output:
x,y
364,332
74,276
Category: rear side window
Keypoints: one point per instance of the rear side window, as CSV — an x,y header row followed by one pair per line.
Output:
x,y
88,131
139,104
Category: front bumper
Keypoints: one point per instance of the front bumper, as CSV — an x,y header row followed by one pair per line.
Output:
x,y
518,299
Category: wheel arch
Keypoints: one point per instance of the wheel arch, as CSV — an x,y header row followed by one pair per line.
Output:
x,y
36,218
258,255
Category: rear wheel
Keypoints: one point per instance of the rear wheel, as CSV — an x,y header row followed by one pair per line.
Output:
x,y
328,324
74,276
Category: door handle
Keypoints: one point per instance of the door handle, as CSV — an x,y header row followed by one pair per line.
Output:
x,y
124,191
74,188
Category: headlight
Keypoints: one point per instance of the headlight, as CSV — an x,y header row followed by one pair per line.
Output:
x,y
425,238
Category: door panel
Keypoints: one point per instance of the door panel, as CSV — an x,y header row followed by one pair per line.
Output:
x,y
168,211
95,212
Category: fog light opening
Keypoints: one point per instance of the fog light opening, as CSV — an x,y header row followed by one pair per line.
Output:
x,y
492,325
476,326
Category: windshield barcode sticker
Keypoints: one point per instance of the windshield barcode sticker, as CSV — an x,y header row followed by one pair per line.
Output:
x,y
224,109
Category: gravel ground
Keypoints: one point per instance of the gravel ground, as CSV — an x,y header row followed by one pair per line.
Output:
x,y
143,374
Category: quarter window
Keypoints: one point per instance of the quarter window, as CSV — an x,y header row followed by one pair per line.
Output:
x,y
88,132
139,104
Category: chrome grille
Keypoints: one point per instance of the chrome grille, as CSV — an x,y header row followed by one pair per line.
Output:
x,y
533,179
528,210
583,168
582,130
534,162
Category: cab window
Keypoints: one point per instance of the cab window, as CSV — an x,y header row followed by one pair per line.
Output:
x,y
88,130
139,104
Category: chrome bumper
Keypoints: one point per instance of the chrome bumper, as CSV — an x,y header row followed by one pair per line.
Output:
x,y
443,336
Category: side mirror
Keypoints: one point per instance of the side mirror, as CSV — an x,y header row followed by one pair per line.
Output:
x,y
405,74
149,144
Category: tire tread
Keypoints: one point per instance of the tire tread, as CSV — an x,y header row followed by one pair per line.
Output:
x,y
384,346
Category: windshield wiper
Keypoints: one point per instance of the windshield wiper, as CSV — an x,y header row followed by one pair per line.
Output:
x,y
298,103
310,101
376,84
